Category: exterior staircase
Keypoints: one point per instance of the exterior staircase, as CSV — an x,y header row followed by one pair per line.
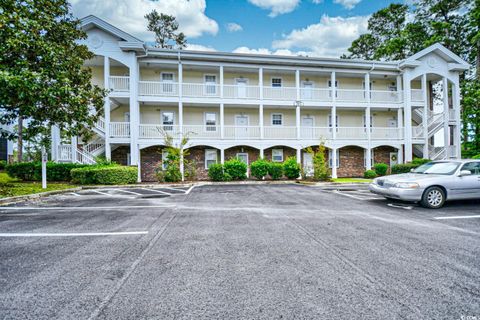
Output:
x,y
434,124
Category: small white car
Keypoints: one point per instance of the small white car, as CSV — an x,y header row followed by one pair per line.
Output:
x,y
433,183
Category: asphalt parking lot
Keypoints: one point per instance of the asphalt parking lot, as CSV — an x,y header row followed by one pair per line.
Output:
x,y
237,252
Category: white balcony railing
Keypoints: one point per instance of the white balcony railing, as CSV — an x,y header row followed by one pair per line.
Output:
x,y
202,132
199,90
378,133
315,94
280,93
119,83
242,132
241,92
158,131
157,88
356,133
377,96
65,152
417,132
315,133
119,129
417,95
280,132
351,95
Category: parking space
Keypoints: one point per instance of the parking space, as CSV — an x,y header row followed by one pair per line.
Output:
x,y
237,251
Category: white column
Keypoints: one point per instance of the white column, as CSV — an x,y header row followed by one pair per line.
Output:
x,y
299,155
446,134
262,153
456,107
139,167
334,105
73,143
367,116
334,163
425,115
297,83
221,81
297,119
180,100
222,156
55,142
399,88
260,120
182,167
400,155
407,101
106,108
260,82
368,158
222,121
134,111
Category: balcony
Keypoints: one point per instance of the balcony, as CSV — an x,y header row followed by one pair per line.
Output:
x,y
119,84
119,129
417,95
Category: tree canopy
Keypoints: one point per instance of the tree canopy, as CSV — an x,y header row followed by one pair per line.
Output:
x,y
42,78
166,32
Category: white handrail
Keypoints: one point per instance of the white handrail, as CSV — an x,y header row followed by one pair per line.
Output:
x,y
119,83
119,129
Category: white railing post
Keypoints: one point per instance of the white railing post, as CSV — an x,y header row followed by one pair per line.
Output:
x,y
334,163
446,129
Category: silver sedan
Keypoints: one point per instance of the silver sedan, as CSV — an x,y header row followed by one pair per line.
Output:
x,y
433,183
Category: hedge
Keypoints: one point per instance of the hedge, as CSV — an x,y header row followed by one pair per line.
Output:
x,y
275,170
476,157
380,168
3,164
32,171
259,168
291,168
369,174
235,169
403,168
105,175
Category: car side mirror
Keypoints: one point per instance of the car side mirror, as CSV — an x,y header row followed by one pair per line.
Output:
x,y
465,173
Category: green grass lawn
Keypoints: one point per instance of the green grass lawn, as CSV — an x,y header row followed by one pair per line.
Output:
x,y
352,180
10,187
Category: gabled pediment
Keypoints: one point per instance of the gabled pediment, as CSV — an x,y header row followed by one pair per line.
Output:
x,y
436,51
126,41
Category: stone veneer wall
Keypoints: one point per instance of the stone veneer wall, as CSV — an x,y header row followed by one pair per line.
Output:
x,y
150,159
351,162
119,155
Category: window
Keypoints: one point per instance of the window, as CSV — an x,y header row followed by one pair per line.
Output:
x,y
243,157
167,121
210,121
473,167
276,82
210,84
277,155
277,119
330,158
164,159
210,157
167,82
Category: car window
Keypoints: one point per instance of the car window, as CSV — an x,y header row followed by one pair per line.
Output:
x,y
473,167
444,168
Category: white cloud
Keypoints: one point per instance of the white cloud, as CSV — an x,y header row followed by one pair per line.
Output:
x,y
348,4
329,38
317,1
279,52
234,27
199,47
128,15
276,7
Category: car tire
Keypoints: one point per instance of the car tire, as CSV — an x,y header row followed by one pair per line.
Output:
x,y
433,198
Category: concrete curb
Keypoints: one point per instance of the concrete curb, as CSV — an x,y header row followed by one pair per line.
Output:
x,y
17,199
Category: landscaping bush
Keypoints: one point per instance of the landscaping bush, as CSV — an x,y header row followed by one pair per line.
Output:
x,y
419,161
32,171
291,168
259,168
275,170
215,172
380,169
369,174
236,169
476,157
3,164
403,168
104,175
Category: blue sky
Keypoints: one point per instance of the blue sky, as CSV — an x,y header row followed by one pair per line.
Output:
x,y
313,27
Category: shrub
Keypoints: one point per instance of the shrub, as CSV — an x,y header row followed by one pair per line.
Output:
x,y
380,169
419,161
291,168
369,174
320,168
104,175
275,170
476,157
3,164
215,172
259,168
236,169
403,168
32,171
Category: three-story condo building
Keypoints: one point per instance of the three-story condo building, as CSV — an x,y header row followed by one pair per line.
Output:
x,y
251,106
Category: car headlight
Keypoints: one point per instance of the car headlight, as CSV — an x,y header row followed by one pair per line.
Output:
x,y
406,185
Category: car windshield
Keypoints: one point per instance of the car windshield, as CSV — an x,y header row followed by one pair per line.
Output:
x,y
445,168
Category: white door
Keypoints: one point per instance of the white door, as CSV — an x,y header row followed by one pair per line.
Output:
x,y
393,158
307,90
241,126
308,164
392,133
307,128
241,88
167,82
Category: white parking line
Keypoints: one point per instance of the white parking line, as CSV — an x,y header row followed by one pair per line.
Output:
x,y
457,217
155,190
168,188
103,193
81,208
74,194
73,234
189,189
348,195
126,191
399,206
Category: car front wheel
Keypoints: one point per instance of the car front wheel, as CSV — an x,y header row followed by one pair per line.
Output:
x,y
433,198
